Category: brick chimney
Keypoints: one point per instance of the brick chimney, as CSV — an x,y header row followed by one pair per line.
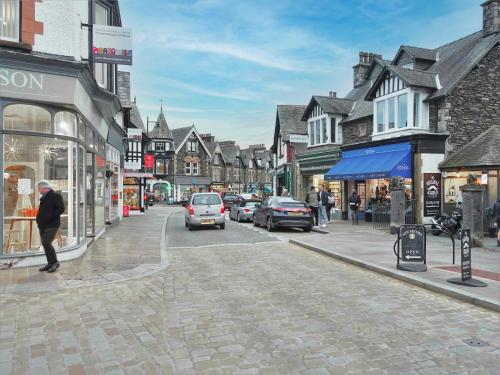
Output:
x,y
332,94
360,69
208,138
257,147
491,17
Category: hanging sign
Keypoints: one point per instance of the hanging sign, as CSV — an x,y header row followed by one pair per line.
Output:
x,y
299,138
149,161
134,134
432,194
112,44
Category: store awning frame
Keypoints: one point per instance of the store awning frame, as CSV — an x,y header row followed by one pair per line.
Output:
x,y
373,162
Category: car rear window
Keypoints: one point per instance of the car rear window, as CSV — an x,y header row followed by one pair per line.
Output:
x,y
204,200
230,197
290,203
250,204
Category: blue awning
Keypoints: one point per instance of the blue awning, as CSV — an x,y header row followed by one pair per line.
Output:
x,y
373,162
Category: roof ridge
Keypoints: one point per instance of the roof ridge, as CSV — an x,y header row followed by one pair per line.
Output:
x,y
329,97
456,40
412,70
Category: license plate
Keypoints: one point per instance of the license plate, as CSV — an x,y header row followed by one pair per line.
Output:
x,y
295,213
208,221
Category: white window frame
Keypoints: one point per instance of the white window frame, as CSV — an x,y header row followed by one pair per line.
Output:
x,y
410,128
161,148
190,147
195,168
17,22
187,168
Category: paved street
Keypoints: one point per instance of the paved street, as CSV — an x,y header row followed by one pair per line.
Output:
x,y
236,301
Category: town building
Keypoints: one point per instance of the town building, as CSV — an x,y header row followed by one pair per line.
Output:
x,y
288,123
427,105
61,120
216,164
234,169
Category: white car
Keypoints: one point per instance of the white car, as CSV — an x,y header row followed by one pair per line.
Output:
x,y
205,209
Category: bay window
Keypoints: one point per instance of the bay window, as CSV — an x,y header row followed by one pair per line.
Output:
x,y
9,20
332,129
392,112
324,130
416,110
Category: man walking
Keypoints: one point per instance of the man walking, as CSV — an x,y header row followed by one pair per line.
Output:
x,y
354,203
322,204
48,220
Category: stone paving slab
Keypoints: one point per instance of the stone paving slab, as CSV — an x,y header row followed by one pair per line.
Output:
x,y
128,250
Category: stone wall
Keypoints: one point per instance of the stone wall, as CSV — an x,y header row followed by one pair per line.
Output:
x,y
181,156
357,131
473,105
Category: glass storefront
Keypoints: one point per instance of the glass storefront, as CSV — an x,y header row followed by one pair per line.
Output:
x,y
45,143
113,189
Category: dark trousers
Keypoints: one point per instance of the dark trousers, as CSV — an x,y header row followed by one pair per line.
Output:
x,y
315,214
329,207
47,236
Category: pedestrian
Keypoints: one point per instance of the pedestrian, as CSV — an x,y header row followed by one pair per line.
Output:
x,y
312,203
48,220
354,203
284,193
496,210
331,204
322,204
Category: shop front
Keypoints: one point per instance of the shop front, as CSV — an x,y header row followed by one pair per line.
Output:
x,y
187,185
134,190
53,128
368,170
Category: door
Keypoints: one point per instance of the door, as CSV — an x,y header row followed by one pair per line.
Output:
x,y
89,195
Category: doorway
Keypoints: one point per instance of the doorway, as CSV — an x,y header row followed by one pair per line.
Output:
x,y
89,195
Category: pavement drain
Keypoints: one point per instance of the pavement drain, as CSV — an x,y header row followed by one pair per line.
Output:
x,y
475,342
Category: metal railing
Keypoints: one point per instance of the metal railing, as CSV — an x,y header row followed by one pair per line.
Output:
x,y
381,214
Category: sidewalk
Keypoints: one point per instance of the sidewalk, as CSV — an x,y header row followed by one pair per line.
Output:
x,y
366,247
131,249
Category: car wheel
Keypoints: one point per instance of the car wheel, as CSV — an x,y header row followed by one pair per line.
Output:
x,y
270,227
222,226
255,224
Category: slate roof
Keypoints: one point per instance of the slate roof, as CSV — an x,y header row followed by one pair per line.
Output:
x,y
230,152
124,88
135,117
161,129
415,77
179,134
420,53
289,117
457,59
360,109
330,105
482,151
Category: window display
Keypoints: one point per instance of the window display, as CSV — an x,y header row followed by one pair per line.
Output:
x,y
132,193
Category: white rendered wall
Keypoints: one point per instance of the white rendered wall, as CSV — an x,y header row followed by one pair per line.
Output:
x,y
430,164
62,33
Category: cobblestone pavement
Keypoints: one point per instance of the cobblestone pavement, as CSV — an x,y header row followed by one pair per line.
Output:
x,y
258,307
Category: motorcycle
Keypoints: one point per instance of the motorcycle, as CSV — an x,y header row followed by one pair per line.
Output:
x,y
452,225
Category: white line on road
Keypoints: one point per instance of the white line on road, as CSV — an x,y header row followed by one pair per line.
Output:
x,y
224,244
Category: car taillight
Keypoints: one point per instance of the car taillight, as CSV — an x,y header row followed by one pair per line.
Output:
x,y
279,209
222,210
190,210
246,210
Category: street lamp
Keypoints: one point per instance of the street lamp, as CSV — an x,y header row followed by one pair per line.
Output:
x,y
238,157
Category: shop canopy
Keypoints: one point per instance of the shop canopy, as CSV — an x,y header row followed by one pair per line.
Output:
x,y
373,162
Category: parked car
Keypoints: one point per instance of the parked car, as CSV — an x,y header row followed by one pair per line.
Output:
x,y
229,200
150,198
205,209
243,210
276,212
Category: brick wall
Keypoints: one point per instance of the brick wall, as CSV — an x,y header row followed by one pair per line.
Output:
x,y
29,26
357,131
473,105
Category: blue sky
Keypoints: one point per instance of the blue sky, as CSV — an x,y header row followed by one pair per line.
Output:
x,y
224,65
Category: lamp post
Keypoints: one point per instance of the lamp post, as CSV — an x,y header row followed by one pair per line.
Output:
x,y
238,157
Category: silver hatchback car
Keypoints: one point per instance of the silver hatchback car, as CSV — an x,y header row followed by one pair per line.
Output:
x,y
205,209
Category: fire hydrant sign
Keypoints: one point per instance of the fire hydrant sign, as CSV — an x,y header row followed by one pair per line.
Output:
x,y
412,243
466,255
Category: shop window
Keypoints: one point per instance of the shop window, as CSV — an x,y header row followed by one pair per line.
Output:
x,y
402,111
27,160
26,117
81,131
9,20
89,138
99,192
65,124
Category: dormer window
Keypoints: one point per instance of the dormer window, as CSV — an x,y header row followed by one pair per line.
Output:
x,y
192,146
409,65
160,147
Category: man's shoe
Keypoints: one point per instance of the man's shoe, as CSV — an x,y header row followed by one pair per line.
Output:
x,y
53,268
44,268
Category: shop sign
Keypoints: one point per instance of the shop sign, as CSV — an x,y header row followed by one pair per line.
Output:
x,y
112,44
299,138
432,194
412,243
149,161
134,134
466,267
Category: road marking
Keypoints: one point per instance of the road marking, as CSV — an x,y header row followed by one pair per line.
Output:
x,y
224,244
